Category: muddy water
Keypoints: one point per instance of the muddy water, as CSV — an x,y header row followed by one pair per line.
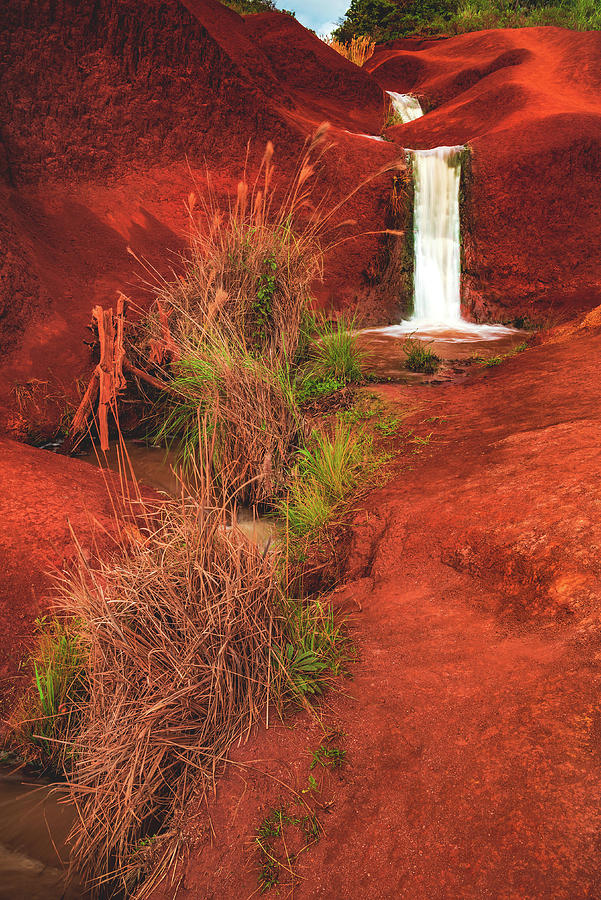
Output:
x,y
34,823
457,348
157,468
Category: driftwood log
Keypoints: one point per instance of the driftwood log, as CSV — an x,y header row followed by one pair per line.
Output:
x,y
108,379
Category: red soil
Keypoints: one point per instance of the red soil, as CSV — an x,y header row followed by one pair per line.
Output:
x,y
528,103
472,719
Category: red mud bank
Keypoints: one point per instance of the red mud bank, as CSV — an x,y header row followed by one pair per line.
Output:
x,y
471,722
42,495
528,103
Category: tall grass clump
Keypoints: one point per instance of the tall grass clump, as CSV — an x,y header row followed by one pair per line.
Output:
x,y
250,265
326,471
48,717
358,50
254,422
189,638
334,359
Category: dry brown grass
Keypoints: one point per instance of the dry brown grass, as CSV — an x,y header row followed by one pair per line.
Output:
x,y
251,262
181,628
358,50
254,419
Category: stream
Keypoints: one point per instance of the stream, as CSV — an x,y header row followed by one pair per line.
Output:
x,y
34,823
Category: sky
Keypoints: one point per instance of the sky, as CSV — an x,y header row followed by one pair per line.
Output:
x,y
320,15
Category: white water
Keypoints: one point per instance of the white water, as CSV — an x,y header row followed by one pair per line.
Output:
x,y
405,106
437,247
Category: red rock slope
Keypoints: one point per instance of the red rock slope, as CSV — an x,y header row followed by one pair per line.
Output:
x,y
110,108
528,102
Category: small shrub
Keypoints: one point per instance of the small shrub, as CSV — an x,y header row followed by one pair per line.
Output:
x,y
419,357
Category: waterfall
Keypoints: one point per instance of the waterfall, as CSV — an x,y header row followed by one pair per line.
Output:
x,y
437,258
436,240
437,273
405,106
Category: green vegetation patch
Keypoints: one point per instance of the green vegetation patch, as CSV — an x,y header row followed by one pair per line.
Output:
x,y
385,20
419,357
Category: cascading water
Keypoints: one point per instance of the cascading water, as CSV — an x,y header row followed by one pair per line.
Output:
x,y
405,106
436,233
437,273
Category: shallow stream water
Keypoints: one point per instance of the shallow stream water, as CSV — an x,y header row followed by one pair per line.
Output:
x,y
34,823
157,468
458,348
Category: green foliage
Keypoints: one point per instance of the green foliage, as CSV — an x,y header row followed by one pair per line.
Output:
x,y
386,20
419,357
181,415
488,362
327,469
314,386
262,306
244,7
335,359
328,757
271,832
317,648
44,725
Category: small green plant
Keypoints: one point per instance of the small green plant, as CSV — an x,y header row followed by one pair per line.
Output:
x,y
419,357
44,725
270,840
335,359
389,425
328,757
316,651
489,362
315,386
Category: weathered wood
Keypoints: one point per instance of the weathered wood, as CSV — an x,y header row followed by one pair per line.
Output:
x,y
108,378
149,379
86,406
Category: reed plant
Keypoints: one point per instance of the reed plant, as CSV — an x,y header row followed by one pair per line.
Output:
x,y
234,328
251,262
358,50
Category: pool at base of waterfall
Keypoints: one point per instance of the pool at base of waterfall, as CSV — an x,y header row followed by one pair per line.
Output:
x,y
459,348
